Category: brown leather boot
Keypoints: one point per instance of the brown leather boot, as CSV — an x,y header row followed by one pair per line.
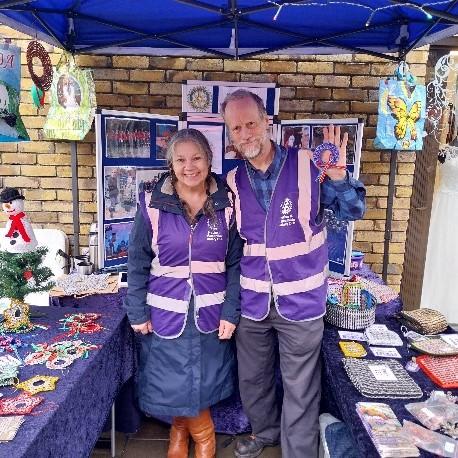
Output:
x,y
202,431
179,438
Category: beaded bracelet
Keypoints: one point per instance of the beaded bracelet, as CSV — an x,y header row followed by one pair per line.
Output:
x,y
330,163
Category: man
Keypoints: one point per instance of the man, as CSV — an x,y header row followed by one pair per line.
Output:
x,y
279,210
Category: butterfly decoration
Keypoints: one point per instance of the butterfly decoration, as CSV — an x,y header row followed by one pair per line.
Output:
x,y
406,119
401,115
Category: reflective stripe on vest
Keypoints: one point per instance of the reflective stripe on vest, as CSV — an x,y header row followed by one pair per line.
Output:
x,y
285,256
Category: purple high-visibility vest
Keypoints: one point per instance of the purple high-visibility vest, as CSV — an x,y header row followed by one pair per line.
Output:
x,y
187,263
285,251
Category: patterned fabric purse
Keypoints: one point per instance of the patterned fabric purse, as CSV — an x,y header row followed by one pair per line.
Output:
x,y
424,321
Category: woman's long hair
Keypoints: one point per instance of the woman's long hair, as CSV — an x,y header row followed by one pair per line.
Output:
x,y
199,139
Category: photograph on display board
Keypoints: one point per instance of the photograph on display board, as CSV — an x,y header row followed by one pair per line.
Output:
x,y
119,192
337,232
164,132
147,176
68,92
127,138
296,136
214,135
351,129
198,99
116,240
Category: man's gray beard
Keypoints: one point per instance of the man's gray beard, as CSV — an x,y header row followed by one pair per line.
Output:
x,y
254,152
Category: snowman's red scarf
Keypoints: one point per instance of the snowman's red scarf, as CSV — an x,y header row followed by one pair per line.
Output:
x,y
16,224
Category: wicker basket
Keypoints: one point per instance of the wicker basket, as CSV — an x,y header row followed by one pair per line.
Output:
x,y
344,317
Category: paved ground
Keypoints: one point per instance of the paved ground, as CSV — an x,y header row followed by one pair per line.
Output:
x,y
151,441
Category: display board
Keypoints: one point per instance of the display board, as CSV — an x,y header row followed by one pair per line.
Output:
x,y
206,97
308,133
130,150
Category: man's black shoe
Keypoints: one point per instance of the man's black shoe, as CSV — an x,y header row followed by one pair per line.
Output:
x,y
251,447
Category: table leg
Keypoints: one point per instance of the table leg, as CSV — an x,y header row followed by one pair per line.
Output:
x,y
113,432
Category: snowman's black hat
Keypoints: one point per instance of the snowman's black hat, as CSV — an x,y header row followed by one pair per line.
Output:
x,y
10,194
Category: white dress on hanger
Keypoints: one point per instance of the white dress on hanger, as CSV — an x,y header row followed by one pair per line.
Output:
x,y
440,281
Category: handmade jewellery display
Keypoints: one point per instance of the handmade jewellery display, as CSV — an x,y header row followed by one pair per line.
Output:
x,y
22,404
349,306
439,345
442,370
38,383
379,334
352,349
84,323
424,320
58,355
9,344
16,318
381,379
76,284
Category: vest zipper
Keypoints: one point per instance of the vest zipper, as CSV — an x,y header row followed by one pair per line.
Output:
x,y
193,292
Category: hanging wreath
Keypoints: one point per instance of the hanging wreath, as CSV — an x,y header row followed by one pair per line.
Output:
x,y
36,49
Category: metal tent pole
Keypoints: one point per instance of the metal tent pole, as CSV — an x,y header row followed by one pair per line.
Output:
x,y
389,213
75,199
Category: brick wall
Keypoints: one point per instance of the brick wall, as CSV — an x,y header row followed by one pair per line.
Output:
x,y
311,86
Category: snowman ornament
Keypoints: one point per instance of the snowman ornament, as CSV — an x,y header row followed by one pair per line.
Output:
x,y
19,236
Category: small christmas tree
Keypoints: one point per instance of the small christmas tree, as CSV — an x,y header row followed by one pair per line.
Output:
x,y
22,273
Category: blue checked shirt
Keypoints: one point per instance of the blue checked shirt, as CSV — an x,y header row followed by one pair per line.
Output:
x,y
344,197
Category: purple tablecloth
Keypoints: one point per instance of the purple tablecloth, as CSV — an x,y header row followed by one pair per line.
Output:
x,y
72,416
340,396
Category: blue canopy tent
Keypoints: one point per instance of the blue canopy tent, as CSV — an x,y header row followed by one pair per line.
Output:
x,y
235,29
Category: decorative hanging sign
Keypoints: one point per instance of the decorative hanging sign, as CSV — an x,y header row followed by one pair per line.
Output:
x,y
401,113
11,126
73,102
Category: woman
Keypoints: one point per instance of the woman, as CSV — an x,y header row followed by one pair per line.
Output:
x,y
183,295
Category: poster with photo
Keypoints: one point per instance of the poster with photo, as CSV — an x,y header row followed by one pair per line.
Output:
x,y
126,159
297,133
119,192
206,97
116,240
214,134
296,137
164,133
127,138
147,176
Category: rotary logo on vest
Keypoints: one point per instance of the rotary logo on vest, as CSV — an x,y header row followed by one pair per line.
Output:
x,y
286,218
213,233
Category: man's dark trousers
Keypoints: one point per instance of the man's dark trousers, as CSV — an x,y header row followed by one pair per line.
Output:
x,y
299,347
